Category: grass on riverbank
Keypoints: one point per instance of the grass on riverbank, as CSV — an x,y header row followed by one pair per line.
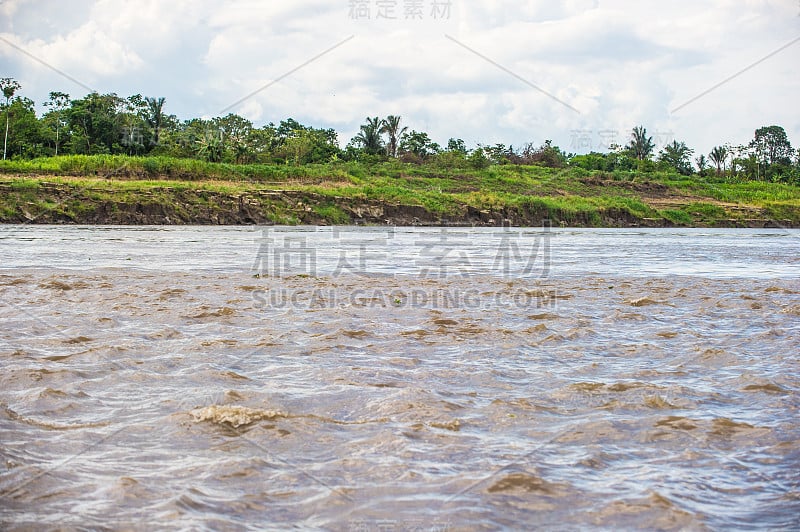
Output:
x,y
571,195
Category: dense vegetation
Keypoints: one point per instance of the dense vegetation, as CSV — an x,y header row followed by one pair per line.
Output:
x,y
97,158
106,124
91,188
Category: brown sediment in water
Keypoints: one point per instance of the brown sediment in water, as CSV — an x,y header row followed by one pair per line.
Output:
x,y
233,415
487,416
526,483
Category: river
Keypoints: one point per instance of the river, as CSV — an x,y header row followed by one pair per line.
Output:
x,y
241,378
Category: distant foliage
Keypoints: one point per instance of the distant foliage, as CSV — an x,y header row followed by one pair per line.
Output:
x,y
418,144
677,156
544,155
107,124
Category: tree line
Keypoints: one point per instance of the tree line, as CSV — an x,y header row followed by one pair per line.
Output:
x,y
137,125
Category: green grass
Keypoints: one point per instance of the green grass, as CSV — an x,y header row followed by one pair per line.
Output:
x,y
332,213
705,211
783,211
122,166
753,192
677,216
571,195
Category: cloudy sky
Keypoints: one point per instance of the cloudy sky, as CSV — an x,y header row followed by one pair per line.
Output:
x,y
579,72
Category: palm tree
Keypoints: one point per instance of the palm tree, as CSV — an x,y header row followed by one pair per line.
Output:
x,y
641,146
210,146
718,156
155,116
702,164
370,136
391,126
9,86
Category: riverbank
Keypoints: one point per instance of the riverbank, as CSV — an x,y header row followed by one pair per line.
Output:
x,y
155,191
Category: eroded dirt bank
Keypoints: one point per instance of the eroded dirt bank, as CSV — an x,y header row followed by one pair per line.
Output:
x,y
67,203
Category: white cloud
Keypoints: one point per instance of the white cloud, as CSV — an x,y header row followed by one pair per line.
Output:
x,y
87,53
619,63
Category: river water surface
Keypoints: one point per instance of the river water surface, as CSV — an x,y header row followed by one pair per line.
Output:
x,y
407,379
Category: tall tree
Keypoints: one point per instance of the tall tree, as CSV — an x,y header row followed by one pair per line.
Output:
x,y
718,156
155,115
457,146
9,86
772,150
263,142
641,146
391,126
94,123
677,155
30,135
498,153
419,144
235,131
369,138
59,101
132,114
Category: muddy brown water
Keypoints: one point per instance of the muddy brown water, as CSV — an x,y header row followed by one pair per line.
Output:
x,y
408,379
